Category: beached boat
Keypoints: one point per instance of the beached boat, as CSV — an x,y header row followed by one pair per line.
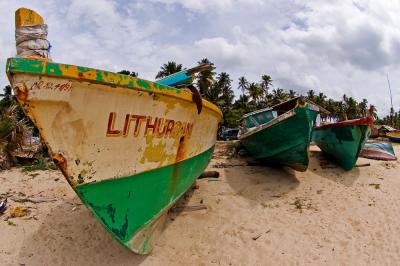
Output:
x,y
280,134
344,140
378,150
128,147
393,136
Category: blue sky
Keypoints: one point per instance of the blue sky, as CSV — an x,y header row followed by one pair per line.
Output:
x,y
337,47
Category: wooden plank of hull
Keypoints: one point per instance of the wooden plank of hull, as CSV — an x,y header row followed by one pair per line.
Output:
x,y
284,140
344,143
129,152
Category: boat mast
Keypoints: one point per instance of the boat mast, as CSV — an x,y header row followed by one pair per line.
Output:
x,y
390,91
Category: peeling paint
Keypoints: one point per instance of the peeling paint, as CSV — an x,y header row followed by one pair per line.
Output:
x,y
130,180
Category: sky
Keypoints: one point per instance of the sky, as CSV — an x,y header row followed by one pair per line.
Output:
x,y
335,47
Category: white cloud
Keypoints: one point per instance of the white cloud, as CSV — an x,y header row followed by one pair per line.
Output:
x,y
339,47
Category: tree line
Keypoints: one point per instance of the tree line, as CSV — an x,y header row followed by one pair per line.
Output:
x,y
218,88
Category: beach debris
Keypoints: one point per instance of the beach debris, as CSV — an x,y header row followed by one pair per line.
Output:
x,y
3,206
31,200
206,174
270,205
257,236
11,223
225,165
302,204
377,186
260,234
189,208
389,165
19,211
363,165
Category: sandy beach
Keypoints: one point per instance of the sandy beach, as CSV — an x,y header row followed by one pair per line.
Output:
x,y
256,215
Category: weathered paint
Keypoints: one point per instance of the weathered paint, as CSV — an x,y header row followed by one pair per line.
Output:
x,y
176,79
378,150
184,77
284,140
259,117
110,132
343,143
125,204
43,67
27,17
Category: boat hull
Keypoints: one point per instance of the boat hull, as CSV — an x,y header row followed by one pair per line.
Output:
x,y
284,142
343,143
393,136
129,147
378,150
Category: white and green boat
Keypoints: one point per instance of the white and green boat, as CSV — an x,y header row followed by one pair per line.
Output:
x,y
128,147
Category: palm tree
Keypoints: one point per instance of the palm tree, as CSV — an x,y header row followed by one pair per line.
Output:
x,y
292,94
363,107
223,84
243,84
311,95
279,96
205,79
168,69
266,81
320,99
341,111
255,91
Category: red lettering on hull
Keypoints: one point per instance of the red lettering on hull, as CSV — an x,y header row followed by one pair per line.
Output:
x,y
159,127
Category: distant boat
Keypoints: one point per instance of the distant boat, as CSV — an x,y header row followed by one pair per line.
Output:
x,y
344,140
281,134
127,146
393,136
378,150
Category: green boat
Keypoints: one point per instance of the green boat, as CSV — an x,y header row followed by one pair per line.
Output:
x,y
343,141
280,134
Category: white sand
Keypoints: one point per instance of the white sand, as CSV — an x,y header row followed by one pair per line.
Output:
x,y
323,216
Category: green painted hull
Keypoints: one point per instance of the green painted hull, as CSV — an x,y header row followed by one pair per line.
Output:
x,y
130,204
343,143
285,142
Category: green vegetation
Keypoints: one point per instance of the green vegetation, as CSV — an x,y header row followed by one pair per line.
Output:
x,y
129,73
393,119
218,88
42,163
14,129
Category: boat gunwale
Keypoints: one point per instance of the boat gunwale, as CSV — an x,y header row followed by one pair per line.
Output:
x,y
166,90
363,121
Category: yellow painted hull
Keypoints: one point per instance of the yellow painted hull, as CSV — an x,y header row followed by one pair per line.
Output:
x,y
104,127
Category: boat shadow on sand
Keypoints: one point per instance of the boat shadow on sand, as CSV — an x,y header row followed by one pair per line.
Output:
x,y
70,235
324,166
262,182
